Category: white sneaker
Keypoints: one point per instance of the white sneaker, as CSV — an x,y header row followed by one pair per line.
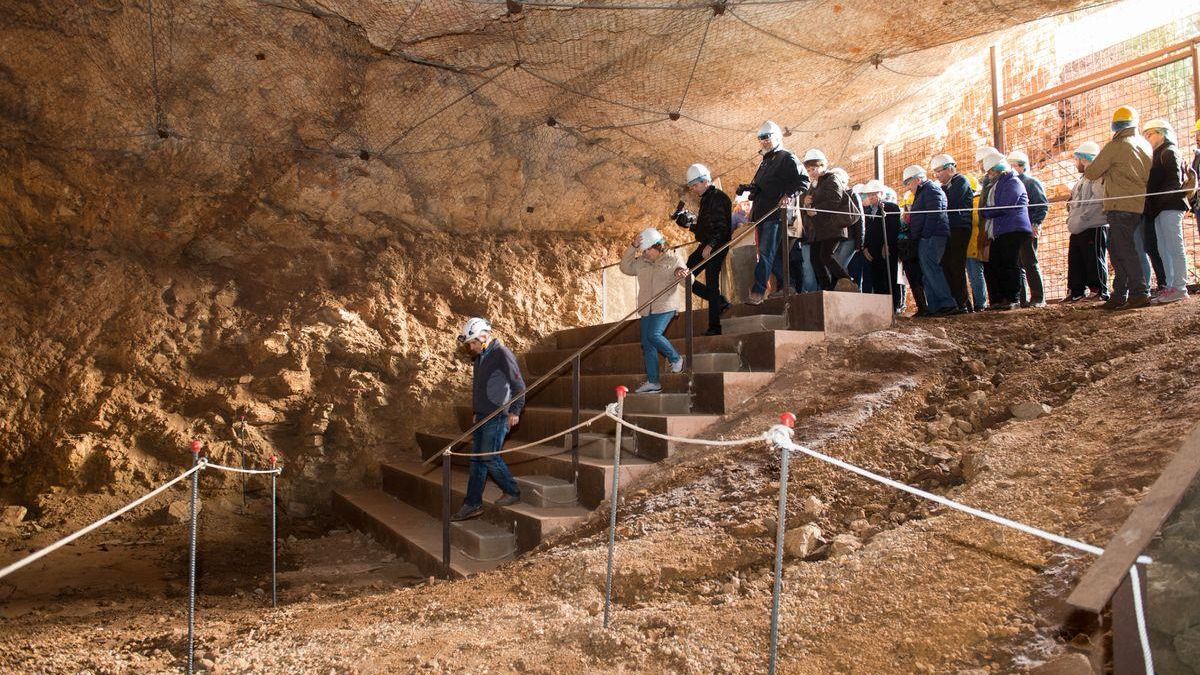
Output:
x,y
677,365
648,388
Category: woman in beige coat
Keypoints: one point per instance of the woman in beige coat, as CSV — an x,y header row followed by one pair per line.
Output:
x,y
655,269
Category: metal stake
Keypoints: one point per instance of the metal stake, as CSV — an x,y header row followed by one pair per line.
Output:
x,y
780,527
274,538
192,563
576,368
446,515
612,514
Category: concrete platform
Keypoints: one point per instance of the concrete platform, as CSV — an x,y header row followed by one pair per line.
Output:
x,y
547,491
658,404
482,541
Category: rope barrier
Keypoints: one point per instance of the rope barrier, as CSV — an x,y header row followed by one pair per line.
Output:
x,y
231,469
99,523
505,451
611,414
1068,202
1140,613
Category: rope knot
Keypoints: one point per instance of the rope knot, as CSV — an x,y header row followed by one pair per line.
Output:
x,y
779,435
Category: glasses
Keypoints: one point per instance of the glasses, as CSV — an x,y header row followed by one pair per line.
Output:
x,y
763,137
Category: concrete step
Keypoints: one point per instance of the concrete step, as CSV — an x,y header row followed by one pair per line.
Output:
x,y
603,446
594,482
406,530
539,422
753,323
716,363
482,540
762,351
829,312
421,486
546,491
714,393
658,404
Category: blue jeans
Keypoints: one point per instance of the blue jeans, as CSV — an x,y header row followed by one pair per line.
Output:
x,y
978,283
769,260
1168,225
653,342
489,438
851,261
810,275
937,292
1139,246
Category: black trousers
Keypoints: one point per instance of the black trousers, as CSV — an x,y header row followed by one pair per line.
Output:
x,y
796,264
825,264
880,275
1031,272
1006,254
912,270
1087,262
954,264
1150,239
710,290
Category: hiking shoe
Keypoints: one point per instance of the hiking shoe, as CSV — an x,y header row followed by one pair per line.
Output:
x,y
1070,299
677,365
1172,295
845,285
754,299
648,388
467,513
713,331
508,500
1113,304
1039,303
725,305
1137,302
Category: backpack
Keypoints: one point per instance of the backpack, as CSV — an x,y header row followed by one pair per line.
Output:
x,y
850,216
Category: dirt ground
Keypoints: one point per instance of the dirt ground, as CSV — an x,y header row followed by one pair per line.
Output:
x,y
928,590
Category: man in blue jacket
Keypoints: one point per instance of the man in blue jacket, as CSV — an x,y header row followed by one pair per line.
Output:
x,y
496,378
929,225
960,201
1039,206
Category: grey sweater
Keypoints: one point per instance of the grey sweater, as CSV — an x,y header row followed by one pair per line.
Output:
x,y
1085,216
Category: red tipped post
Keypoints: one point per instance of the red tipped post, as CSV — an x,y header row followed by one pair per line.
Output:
x,y
621,392
274,459
788,420
196,445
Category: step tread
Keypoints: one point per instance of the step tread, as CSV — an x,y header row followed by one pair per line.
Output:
x,y
556,453
415,526
491,492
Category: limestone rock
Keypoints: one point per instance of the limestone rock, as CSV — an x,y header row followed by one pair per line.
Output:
x,y
12,515
1029,410
974,463
843,545
801,542
812,507
292,383
179,511
1069,664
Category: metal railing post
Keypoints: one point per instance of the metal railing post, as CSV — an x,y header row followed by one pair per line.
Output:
x,y
576,367
446,515
785,260
612,512
191,621
274,538
689,328
789,420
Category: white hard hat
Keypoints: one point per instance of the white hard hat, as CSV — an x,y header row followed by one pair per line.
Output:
x,y
1018,156
697,173
814,155
769,129
1088,148
983,152
857,189
741,198
474,328
940,161
913,172
649,237
994,159
874,185
1157,123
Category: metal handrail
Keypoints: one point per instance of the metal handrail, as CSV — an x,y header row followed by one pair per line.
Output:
x,y
553,372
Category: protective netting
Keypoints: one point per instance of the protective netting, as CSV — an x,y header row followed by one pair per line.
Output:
x,y
428,86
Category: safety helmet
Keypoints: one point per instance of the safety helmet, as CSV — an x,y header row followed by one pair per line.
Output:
x,y
1158,124
913,171
1088,149
649,237
941,161
874,185
473,329
983,152
889,195
769,129
1197,125
857,189
814,155
995,160
1126,114
1018,157
697,173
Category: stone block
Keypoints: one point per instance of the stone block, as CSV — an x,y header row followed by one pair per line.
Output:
x,y
482,540
546,491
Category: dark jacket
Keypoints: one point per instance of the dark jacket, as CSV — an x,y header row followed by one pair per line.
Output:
x,y
828,195
714,222
883,226
929,197
497,377
959,195
778,174
1165,174
1039,206
1008,190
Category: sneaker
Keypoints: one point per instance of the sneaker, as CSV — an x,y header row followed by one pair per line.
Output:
x,y
845,285
1039,303
508,500
1137,302
648,388
1172,295
713,331
1071,299
677,365
725,305
755,299
467,513
1113,304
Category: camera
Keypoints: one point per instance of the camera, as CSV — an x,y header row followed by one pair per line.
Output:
x,y
749,188
682,217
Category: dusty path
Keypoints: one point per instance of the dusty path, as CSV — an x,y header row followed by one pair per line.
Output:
x,y
928,591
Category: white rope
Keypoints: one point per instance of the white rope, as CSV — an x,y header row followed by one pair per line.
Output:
x,y
564,432
1140,613
781,436
694,441
277,470
106,519
1069,202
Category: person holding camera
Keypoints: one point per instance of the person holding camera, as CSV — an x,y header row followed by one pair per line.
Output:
x,y
777,180
712,227
656,268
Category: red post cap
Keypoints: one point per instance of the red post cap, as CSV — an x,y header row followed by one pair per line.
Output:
x,y
788,420
622,391
273,460
196,445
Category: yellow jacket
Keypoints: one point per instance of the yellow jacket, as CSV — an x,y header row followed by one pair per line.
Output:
x,y
976,247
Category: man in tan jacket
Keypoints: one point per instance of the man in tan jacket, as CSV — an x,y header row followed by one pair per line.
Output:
x,y
656,269
1124,166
